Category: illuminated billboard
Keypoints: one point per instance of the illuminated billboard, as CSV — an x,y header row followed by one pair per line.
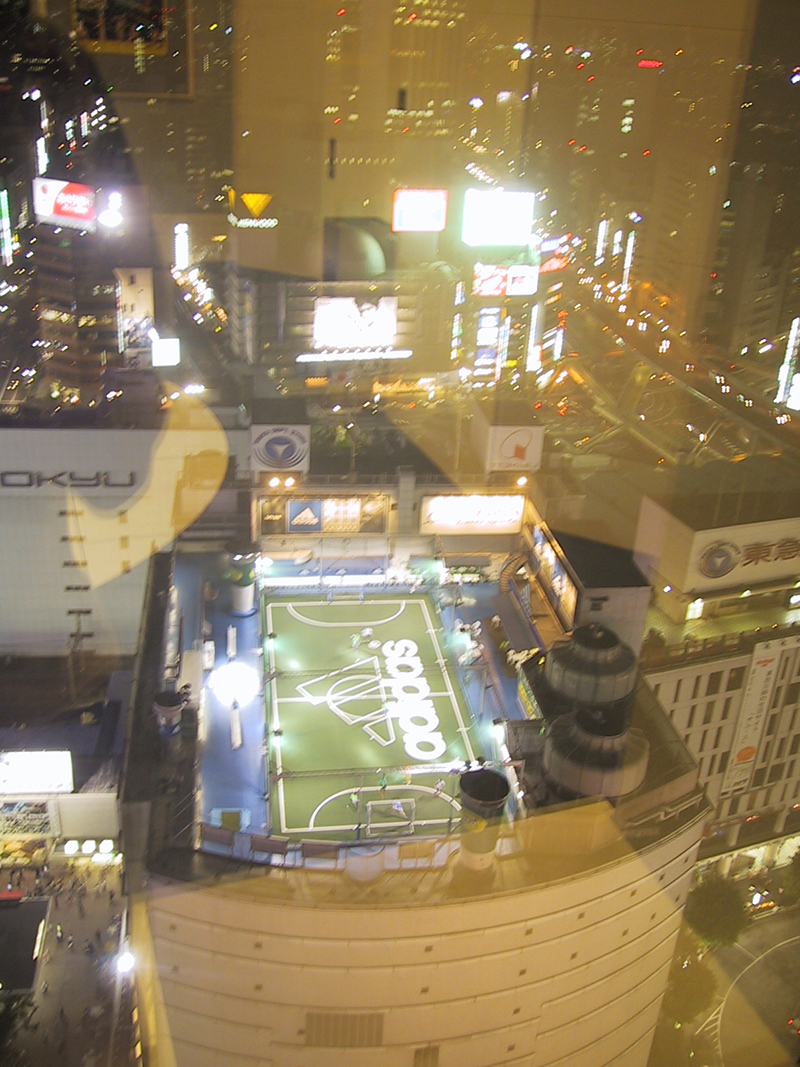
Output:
x,y
518,280
6,239
498,218
419,210
166,352
471,514
36,772
284,514
342,322
60,203
554,263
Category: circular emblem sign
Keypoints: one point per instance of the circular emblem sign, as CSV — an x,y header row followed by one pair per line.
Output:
x,y
281,448
719,559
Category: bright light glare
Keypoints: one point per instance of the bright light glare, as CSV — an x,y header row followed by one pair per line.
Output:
x,y
88,847
36,772
125,962
496,217
106,846
71,847
234,681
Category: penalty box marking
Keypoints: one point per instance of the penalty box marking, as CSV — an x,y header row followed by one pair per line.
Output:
x,y
295,614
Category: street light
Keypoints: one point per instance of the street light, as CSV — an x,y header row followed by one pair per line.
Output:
x,y
125,962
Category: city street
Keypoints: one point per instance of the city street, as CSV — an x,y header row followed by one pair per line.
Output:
x,y
758,985
77,997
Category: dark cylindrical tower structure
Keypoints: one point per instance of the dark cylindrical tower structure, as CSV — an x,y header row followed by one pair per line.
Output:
x,y
483,800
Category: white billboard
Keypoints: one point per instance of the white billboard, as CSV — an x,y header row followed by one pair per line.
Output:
x,y
166,352
35,772
342,322
756,702
280,448
752,553
419,210
515,448
472,514
497,218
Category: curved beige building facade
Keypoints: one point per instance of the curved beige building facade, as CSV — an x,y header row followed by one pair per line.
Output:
x,y
403,959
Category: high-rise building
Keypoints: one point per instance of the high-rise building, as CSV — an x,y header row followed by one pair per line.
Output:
x,y
631,127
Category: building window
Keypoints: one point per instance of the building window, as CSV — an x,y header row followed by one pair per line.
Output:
x,y
696,687
735,678
776,698
773,722
781,748
718,737
758,777
733,807
714,683
776,773
723,761
726,707
795,745
690,720
711,764
792,693
678,685
709,713
426,1057
703,740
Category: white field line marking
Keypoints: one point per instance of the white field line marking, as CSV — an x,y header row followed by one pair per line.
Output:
x,y
295,614
462,729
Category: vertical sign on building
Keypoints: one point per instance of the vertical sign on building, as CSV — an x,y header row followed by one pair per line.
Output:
x,y
6,242
787,369
750,725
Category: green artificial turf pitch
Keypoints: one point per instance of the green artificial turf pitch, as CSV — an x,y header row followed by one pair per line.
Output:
x,y
363,727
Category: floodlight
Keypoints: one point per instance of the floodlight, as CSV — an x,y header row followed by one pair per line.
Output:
x,y
235,681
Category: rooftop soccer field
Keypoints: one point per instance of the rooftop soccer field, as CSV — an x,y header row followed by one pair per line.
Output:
x,y
365,718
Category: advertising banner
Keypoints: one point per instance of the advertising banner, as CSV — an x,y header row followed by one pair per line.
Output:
x,y
497,218
284,514
750,553
515,448
67,204
471,514
280,448
419,210
749,727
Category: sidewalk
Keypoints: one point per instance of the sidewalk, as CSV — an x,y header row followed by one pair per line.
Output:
x,y
72,1023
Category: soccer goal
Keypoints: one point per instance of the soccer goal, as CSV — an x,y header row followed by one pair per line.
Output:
x,y
387,817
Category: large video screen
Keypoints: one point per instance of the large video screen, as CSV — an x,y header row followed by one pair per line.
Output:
x,y
342,322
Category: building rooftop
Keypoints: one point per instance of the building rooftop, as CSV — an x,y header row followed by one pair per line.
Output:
x,y
720,494
598,565
19,927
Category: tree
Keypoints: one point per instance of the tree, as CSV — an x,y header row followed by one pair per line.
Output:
x,y
716,911
690,989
